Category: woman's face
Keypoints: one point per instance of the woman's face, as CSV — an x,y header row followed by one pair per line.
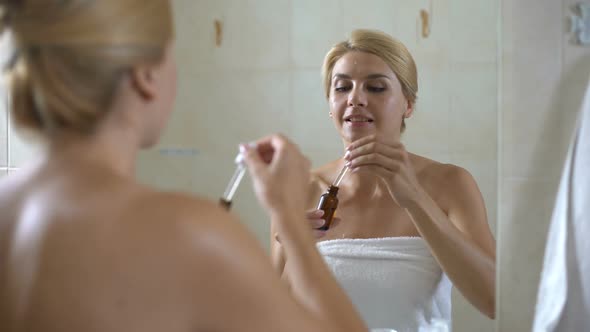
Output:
x,y
366,98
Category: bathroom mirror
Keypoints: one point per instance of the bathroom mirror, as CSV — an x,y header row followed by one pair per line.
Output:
x,y
250,68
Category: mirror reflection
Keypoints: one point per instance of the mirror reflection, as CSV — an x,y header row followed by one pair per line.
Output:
x,y
253,69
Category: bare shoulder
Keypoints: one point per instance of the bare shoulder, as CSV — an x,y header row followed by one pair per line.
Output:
x,y
451,186
448,177
179,211
179,204
225,262
457,193
196,232
460,184
228,271
195,219
456,177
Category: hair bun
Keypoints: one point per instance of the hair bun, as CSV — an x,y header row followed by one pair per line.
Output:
x,y
72,54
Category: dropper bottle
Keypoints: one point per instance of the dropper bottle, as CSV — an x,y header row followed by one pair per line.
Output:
x,y
232,186
329,201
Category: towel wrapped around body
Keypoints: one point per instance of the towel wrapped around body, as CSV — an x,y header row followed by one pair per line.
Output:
x,y
394,282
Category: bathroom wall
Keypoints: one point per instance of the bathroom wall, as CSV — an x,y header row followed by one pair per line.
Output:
x,y
544,77
15,151
4,123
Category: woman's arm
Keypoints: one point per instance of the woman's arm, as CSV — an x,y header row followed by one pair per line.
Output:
x,y
461,241
280,176
277,254
236,289
278,258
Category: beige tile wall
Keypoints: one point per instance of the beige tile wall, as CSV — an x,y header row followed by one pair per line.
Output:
x,y
4,56
526,199
22,149
15,149
253,35
544,77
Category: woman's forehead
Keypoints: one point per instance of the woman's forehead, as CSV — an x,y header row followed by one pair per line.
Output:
x,y
357,63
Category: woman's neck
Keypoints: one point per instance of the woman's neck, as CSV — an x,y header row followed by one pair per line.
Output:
x,y
361,184
111,148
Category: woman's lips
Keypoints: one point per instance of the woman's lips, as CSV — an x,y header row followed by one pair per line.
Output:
x,y
358,121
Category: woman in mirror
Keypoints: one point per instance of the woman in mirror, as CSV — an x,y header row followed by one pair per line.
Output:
x,y
408,227
84,246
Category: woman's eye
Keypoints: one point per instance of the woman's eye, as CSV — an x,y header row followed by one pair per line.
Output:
x,y
341,88
376,89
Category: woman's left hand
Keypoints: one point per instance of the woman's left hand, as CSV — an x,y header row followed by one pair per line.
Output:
x,y
390,162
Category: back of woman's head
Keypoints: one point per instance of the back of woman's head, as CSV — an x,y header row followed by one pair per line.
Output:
x,y
389,49
72,54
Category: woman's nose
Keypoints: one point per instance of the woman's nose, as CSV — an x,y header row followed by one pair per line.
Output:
x,y
356,98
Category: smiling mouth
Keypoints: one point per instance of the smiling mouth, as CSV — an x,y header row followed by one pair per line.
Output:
x,y
358,119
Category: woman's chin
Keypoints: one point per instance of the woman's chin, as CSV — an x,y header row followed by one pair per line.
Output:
x,y
357,134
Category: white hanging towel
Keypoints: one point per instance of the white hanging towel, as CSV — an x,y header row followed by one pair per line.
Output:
x,y
563,302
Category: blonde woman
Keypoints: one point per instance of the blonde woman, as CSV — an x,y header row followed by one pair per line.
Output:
x,y
408,227
84,246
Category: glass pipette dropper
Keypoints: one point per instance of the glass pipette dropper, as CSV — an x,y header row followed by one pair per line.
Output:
x,y
340,176
232,186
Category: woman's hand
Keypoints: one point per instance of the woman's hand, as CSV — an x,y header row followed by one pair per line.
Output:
x,y
280,174
390,162
314,217
316,221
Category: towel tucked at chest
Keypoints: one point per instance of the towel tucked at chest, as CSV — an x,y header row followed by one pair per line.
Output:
x,y
394,282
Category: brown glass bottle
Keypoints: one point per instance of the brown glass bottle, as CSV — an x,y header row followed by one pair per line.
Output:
x,y
328,203
225,204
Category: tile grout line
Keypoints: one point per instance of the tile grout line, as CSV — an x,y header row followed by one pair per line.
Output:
x,y
499,148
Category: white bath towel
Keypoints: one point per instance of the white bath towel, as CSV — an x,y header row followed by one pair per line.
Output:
x,y
563,302
394,282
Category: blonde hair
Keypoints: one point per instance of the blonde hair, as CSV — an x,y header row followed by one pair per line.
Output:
x,y
389,49
71,56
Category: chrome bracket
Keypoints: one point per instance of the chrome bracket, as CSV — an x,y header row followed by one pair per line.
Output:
x,y
580,23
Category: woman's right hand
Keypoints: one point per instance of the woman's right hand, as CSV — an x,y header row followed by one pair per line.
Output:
x,y
279,172
315,220
314,217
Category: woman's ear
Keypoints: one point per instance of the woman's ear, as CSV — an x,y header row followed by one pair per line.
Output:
x,y
143,81
409,109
